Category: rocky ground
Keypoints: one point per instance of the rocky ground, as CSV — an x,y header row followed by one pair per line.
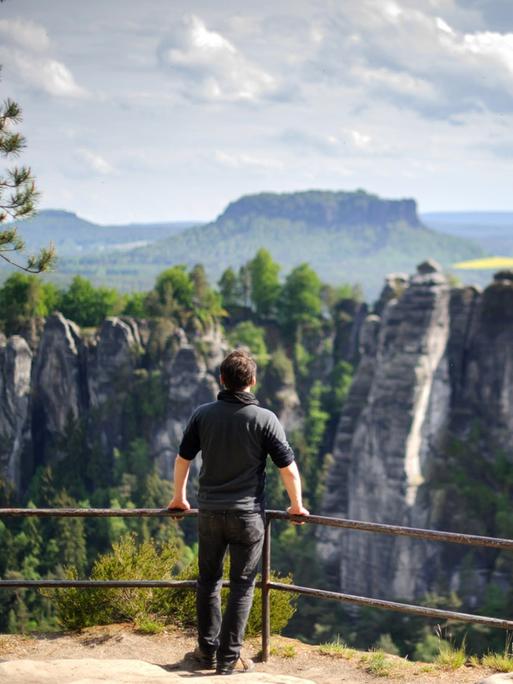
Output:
x,y
117,653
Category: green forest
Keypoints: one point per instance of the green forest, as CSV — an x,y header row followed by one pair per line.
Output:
x,y
292,326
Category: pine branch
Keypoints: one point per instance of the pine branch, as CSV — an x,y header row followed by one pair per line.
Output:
x,y
44,261
18,195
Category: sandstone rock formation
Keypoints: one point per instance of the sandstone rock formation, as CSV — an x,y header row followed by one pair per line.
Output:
x,y
189,385
59,380
85,380
15,368
434,362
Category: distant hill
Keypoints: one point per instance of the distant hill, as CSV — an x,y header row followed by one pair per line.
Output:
x,y
345,236
74,235
492,230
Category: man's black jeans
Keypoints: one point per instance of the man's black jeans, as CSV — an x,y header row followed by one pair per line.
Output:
x,y
243,533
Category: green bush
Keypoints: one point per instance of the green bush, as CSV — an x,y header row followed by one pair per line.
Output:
x,y
88,305
252,336
77,608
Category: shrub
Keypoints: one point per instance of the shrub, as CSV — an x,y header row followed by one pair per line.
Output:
x,y
149,607
78,608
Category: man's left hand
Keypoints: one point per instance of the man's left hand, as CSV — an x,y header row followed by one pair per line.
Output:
x,y
179,504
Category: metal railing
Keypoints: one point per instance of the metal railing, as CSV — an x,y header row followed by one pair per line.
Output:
x,y
266,584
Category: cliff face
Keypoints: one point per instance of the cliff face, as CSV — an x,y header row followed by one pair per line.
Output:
x,y
92,381
59,394
189,384
437,360
15,367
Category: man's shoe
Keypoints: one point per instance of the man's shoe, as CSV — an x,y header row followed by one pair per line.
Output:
x,y
207,662
239,666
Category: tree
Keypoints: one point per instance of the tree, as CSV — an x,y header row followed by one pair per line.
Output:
x,y
88,305
200,284
175,288
207,302
244,282
252,336
135,304
300,300
228,288
265,285
18,195
23,297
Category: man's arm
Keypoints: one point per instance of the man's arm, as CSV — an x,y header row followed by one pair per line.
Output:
x,y
179,500
276,445
292,482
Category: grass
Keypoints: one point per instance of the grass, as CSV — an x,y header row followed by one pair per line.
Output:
x,y
450,657
146,626
500,662
336,649
376,664
286,651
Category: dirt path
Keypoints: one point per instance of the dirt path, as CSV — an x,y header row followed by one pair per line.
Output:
x,y
289,657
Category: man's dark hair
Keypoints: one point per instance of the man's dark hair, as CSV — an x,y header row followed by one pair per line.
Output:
x,y
238,370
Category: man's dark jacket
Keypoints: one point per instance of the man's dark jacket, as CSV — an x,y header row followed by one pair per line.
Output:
x,y
234,435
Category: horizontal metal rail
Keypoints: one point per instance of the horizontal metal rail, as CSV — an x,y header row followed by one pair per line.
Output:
x,y
98,584
411,609
96,513
266,584
398,530
380,528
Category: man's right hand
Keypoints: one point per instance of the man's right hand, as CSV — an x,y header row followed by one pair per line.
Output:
x,y
180,504
298,510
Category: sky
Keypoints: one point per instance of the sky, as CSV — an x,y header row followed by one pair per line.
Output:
x,y
162,110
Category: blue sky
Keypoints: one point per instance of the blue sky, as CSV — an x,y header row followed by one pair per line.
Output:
x,y
169,109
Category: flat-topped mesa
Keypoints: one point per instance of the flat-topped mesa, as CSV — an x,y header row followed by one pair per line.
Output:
x,y
325,209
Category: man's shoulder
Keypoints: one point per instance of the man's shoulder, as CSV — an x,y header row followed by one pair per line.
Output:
x,y
263,415
266,417
205,408
266,413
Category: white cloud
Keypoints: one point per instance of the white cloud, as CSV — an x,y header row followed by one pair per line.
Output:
x,y
397,82
495,46
361,140
345,142
443,25
94,161
27,52
207,66
411,54
239,161
25,34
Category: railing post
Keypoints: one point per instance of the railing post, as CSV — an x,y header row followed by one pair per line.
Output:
x,y
266,608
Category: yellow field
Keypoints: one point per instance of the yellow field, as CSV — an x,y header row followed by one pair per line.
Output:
x,y
488,263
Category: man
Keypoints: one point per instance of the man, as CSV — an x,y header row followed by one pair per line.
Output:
x,y
235,435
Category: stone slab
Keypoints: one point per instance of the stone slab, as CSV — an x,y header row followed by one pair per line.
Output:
x,y
95,671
